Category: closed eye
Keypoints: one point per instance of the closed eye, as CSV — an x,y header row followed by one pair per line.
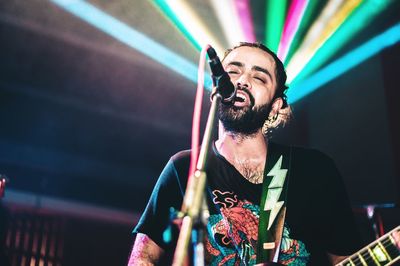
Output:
x,y
233,72
260,79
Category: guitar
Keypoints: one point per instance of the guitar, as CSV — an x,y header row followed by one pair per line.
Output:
x,y
382,251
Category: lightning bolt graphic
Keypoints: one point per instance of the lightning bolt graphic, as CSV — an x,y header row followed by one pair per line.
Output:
x,y
274,191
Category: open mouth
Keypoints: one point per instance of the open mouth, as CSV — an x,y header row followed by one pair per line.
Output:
x,y
240,98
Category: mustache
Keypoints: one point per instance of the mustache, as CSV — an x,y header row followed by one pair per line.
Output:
x,y
247,91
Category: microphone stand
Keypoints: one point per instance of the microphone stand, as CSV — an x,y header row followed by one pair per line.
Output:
x,y
194,207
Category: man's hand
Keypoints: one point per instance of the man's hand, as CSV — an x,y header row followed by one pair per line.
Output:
x,y
145,251
335,259
396,237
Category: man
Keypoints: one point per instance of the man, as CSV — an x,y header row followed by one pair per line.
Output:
x,y
317,226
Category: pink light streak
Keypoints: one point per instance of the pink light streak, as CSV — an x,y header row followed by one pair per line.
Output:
x,y
295,15
246,19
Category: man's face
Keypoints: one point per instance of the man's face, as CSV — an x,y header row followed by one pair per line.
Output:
x,y
252,71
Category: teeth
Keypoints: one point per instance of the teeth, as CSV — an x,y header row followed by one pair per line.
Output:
x,y
241,97
238,99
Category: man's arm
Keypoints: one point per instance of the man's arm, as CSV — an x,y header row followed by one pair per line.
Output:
x,y
145,251
335,259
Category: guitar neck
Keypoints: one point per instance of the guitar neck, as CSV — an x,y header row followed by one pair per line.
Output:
x,y
382,251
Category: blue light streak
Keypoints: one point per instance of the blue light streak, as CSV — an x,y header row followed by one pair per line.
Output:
x,y
133,38
303,88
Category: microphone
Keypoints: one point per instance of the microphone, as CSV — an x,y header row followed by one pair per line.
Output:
x,y
221,79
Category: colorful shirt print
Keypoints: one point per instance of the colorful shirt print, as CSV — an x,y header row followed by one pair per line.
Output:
x,y
293,252
232,234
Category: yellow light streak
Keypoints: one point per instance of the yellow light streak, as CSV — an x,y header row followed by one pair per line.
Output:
x,y
333,15
194,24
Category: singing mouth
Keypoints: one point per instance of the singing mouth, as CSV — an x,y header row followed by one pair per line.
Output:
x,y
240,98
243,98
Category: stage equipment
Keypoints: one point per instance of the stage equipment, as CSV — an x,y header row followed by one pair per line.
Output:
x,y
194,212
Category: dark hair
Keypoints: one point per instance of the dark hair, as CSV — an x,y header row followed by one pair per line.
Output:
x,y
280,72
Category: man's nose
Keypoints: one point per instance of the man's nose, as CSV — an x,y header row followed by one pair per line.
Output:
x,y
243,81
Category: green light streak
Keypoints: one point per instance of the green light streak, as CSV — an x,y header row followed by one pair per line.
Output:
x,y
357,21
305,23
166,10
275,16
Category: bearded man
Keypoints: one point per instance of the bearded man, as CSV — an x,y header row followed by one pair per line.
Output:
x,y
252,181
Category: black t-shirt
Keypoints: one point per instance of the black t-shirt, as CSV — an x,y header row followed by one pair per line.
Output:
x,y
318,218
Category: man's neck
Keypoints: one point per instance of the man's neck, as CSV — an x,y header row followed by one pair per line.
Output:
x,y
239,148
246,153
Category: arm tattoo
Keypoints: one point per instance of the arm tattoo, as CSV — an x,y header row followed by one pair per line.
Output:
x,y
145,251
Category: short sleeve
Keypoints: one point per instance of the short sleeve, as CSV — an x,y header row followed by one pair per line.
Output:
x,y
167,193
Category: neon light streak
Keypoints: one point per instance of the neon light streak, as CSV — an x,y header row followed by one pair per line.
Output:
x,y
335,22
350,60
295,15
229,20
191,22
327,23
359,19
319,24
275,15
132,38
246,19
169,14
305,22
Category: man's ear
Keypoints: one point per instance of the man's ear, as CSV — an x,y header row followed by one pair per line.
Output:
x,y
276,106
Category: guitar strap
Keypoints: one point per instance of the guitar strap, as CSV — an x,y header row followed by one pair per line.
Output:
x,y
273,203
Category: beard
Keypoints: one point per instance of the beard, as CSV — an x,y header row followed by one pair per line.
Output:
x,y
245,120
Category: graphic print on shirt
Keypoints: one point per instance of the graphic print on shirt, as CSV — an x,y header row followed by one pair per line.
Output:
x,y
293,252
232,234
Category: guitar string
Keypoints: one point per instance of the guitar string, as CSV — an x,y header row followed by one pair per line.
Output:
x,y
355,259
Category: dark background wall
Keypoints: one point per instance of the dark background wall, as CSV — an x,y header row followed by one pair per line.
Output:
x,y
350,119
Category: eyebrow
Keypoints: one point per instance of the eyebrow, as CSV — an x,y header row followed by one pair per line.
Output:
x,y
256,68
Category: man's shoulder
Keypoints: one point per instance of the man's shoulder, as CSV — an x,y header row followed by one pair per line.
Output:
x,y
180,156
180,161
